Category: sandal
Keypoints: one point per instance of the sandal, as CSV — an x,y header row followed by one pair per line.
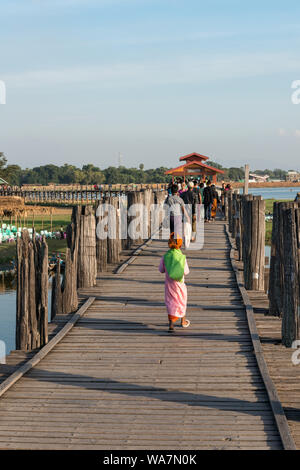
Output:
x,y
171,329
187,324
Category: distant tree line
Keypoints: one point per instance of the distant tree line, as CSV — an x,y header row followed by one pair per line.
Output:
x,y
237,174
91,174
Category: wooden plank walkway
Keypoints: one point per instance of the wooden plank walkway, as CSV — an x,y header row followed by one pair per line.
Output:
x,y
119,380
285,374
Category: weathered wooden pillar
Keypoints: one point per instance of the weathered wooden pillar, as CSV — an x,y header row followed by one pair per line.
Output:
x,y
229,200
41,288
226,205
56,297
291,260
276,279
135,219
245,224
258,244
246,183
238,225
69,292
147,200
101,243
87,261
253,243
123,222
113,241
234,215
32,293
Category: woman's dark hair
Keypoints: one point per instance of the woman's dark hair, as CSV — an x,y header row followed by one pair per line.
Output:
x,y
174,189
201,185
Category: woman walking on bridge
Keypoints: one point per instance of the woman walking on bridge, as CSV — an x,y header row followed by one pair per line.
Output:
x,y
174,264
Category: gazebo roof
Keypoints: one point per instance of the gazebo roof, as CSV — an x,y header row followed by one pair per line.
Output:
x,y
196,165
194,156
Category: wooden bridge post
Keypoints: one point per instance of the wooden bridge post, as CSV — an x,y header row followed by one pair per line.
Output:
x,y
32,293
148,200
238,225
253,243
56,296
226,205
291,259
234,211
123,223
101,244
113,241
229,200
244,217
133,197
258,244
276,279
87,261
41,282
69,285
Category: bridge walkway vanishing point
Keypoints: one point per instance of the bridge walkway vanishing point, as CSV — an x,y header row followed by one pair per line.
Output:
x,y
119,380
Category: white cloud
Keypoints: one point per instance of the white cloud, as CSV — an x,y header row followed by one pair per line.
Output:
x,y
282,132
297,132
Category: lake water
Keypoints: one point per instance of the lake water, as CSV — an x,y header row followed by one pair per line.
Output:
x,y
8,310
275,193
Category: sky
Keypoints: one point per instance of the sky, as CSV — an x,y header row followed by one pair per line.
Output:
x,y
150,80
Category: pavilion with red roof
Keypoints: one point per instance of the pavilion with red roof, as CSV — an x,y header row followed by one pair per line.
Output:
x,y
195,167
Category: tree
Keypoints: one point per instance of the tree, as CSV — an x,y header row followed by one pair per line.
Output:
x,y
91,174
235,174
3,161
13,174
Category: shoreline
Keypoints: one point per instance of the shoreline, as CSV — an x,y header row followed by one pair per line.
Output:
x,y
270,184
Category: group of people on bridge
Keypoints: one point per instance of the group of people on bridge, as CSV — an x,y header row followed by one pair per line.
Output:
x,y
191,195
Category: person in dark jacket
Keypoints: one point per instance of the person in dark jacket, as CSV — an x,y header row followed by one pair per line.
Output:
x,y
216,201
207,200
197,191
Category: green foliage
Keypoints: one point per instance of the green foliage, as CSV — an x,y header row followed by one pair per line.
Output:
x,y
3,161
276,174
8,250
235,174
90,174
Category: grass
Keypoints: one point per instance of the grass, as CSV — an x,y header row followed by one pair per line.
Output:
x,y
269,208
268,232
40,223
8,250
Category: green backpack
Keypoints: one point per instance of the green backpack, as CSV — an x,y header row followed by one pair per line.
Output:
x,y
174,263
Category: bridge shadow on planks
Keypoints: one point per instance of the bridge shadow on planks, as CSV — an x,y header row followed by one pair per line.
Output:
x,y
125,326
260,408
235,304
162,282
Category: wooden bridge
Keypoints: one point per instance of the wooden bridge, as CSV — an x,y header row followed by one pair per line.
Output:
x,y
114,378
